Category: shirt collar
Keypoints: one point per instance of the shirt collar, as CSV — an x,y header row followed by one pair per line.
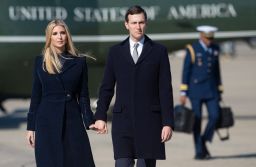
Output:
x,y
141,42
203,44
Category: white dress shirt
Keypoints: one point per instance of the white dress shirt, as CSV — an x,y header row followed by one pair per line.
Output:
x,y
140,47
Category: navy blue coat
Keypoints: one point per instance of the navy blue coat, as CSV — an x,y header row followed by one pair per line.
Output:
x,y
201,79
144,100
59,111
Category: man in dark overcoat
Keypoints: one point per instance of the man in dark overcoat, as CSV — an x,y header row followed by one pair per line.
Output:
x,y
201,82
142,121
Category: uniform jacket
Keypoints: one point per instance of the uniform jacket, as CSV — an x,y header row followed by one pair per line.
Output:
x,y
144,100
201,78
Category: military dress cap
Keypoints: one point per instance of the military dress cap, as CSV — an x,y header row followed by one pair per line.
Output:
x,y
208,31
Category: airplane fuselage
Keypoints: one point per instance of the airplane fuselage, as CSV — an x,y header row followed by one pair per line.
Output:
x,y
96,25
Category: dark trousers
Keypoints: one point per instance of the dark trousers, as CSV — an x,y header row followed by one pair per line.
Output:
x,y
129,162
213,114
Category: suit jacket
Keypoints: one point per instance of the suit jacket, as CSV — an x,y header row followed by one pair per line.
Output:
x,y
144,100
201,78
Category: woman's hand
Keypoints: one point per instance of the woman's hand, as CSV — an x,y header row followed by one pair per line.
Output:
x,y
92,127
31,138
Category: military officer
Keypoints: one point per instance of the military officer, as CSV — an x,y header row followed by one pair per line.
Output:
x,y
201,83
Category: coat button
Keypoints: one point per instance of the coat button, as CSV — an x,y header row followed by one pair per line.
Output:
x,y
68,95
195,80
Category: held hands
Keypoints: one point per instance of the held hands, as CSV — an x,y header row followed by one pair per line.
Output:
x,y
92,127
31,138
100,126
166,133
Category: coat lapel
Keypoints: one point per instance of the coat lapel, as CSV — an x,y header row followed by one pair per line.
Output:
x,y
147,46
68,64
126,51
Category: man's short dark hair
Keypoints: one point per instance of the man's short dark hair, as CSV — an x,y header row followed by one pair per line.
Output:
x,y
135,10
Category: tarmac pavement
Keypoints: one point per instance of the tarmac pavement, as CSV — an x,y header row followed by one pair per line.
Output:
x,y
239,151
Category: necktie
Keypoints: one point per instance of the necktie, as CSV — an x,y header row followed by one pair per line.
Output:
x,y
135,55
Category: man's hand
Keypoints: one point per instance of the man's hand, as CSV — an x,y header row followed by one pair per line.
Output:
x,y
166,133
101,127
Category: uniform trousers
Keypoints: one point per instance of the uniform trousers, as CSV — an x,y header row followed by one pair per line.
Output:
x,y
129,162
212,106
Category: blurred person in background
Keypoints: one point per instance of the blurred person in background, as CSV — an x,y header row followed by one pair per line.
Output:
x,y
201,83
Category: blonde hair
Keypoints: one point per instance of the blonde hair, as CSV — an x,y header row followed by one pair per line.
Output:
x,y
51,60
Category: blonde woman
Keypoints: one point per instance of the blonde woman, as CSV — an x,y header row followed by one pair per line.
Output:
x,y
60,106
